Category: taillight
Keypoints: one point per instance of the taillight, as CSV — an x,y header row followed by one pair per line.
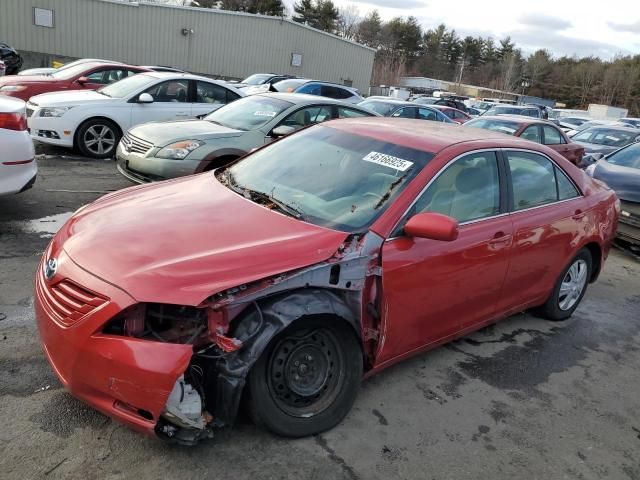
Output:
x,y
13,121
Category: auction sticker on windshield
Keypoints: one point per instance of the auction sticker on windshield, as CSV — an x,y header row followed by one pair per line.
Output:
x,y
260,113
388,161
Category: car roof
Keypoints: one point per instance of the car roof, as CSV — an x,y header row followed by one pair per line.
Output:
x,y
394,101
520,119
304,98
418,134
185,75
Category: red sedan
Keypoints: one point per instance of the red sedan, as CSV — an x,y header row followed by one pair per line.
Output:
x,y
454,114
89,76
539,131
322,258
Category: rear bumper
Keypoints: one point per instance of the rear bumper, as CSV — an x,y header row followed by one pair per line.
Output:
x,y
125,378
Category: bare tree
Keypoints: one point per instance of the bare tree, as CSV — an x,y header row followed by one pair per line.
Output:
x,y
348,20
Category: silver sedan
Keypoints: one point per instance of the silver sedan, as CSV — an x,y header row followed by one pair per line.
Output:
x,y
162,150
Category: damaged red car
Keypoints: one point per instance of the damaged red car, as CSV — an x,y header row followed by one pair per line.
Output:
x,y
287,277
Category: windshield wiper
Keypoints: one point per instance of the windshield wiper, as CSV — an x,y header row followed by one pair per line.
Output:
x,y
261,197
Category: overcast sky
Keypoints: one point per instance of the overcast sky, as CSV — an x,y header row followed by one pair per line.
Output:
x,y
564,27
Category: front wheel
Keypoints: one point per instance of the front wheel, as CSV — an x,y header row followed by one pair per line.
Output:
x,y
307,379
570,288
98,138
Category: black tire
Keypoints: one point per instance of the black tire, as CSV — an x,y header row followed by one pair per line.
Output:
x,y
104,133
294,394
559,305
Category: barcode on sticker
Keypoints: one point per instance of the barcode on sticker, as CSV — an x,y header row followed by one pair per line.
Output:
x,y
388,161
264,114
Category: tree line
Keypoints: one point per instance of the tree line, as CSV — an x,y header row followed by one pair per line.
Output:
x,y
403,47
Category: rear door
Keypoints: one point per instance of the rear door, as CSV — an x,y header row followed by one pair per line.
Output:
x,y
432,290
170,102
548,215
554,138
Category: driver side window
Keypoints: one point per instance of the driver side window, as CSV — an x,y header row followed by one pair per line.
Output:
x,y
308,116
170,91
468,189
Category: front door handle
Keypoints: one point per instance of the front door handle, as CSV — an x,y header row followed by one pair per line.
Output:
x,y
578,215
500,238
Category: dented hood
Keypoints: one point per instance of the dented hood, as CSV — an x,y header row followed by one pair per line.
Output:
x,y
180,241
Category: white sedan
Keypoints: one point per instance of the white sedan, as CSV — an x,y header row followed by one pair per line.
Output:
x,y
93,121
18,166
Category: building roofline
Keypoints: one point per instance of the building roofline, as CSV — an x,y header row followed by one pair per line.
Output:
x,y
216,11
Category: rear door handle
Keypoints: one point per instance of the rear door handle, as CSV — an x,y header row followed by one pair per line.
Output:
x,y
578,215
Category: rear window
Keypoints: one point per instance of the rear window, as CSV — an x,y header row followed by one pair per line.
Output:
x,y
502,126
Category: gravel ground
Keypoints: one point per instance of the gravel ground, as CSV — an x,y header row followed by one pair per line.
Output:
x,y
524,398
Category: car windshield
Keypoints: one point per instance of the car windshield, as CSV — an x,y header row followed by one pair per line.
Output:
x,y
127,86
626,157
610,137
288,86
248,113
73,71
257,79
381,107
502,126
327,177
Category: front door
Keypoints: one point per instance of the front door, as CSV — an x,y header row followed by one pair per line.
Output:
x,y
170,102
432,289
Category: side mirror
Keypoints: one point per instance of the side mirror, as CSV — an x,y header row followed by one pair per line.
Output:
x,y
434,226
145,98
83,80
282,131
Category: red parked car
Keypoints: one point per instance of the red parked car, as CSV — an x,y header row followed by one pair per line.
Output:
x,y
454,114
324,257
88,76
539,131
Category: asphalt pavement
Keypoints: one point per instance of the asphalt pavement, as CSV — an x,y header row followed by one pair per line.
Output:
x,y
525,398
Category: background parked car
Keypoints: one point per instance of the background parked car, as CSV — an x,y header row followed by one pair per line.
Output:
x,y
260,82
632,122
571,123
448,102
156,151
86,76
11,59
538,131
454,114
18,167
94,121
620,170
533,112
389,107
314,87
49,70
606,139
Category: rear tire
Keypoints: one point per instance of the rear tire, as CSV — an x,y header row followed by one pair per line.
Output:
x,y
98,138
307,379
569,289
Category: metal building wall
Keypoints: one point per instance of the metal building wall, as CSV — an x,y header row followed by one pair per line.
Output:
x,y
223,43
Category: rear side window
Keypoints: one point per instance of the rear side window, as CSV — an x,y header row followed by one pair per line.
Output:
x,y
310,89
537,181
552,136
532,133
335,92
407,112
211,93
427,114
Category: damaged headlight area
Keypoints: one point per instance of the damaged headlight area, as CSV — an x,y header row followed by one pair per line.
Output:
x,y
195,405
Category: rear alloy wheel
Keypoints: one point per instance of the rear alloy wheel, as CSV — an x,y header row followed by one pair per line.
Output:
x,y
307,379
570,288
98,138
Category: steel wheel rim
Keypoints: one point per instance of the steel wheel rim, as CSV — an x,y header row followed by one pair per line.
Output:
x,y
572,285
99,139
305,372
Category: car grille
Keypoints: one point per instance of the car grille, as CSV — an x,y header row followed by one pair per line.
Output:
x,y
633,211
68,302
135,144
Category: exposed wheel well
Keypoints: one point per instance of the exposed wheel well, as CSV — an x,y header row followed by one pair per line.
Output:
x,y
219,162
596,256
75,136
